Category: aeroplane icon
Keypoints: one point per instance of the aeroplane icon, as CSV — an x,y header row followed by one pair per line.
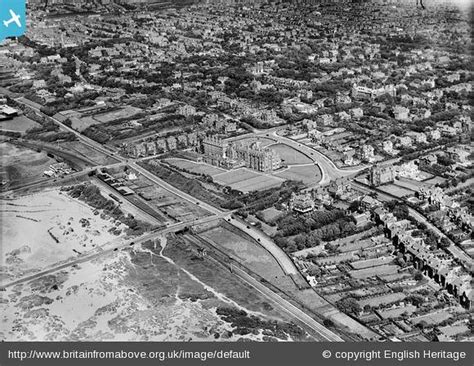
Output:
x,y
15,18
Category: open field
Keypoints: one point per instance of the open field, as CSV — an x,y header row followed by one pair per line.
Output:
x,y
125,112
247,180
80,123
411,184
83,150
21,165
371,262
375,271
310,174
249,252
290,156
382,300
396,190
199,168
18,124
48,227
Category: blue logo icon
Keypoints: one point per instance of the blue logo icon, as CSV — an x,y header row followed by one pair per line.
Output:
x,y
12,18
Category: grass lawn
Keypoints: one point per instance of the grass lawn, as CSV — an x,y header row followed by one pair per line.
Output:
x,y
18,124
396,190
264,142
199,168
271,214
310,174
250,253
258,183
381,300
289,155
235,176
374,271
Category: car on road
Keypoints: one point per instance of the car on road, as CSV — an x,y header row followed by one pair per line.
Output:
x,y
132,243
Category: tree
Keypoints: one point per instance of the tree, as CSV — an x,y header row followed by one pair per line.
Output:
x,y
328,323
400,261
349,305
422,325
418,276
444,243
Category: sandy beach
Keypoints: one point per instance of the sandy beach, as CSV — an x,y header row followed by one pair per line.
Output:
x,y
47,227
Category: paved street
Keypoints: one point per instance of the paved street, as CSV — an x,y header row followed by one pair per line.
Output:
x,y
329,170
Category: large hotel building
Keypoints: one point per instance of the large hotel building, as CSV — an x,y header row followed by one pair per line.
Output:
x,y
229,154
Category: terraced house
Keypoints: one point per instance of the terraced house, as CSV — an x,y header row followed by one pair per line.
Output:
x,y
434,263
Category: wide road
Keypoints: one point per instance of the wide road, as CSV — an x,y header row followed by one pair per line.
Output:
x,y
329,170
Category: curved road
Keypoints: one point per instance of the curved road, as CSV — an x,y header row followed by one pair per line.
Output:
x,y
329,170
